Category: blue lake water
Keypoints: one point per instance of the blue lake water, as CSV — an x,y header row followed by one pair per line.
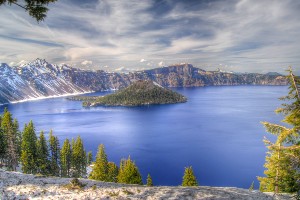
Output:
x,y
217,131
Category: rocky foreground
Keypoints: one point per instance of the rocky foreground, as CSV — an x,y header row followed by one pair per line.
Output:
x,y
14,185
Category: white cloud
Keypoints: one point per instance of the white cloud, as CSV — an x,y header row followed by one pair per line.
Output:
x,y
248,35
87,62
161,64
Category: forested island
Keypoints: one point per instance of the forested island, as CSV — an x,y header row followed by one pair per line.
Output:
x,y
139,93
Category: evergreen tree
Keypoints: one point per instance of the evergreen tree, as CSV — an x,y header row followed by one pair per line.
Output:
x,y
43,154
251,188
283,158
2,145
129,172
78,158
35,8
18,137
100,168
113,171
29,149
189,179
54,154
65,159
89,158
10,140
149,181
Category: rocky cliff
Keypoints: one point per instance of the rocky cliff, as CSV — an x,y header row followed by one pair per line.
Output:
x,y
39,79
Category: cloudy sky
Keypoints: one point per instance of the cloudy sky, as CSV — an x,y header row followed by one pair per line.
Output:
x,y
234,35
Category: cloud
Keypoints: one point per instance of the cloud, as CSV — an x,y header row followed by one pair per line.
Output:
x,y
122,70
251,36
161,64
87,62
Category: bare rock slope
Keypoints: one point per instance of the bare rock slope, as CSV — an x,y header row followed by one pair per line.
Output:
x,y
14,185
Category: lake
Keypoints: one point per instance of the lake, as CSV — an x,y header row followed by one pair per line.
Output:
x,y
217,131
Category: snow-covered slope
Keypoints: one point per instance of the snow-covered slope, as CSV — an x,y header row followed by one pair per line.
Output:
x,y
37,79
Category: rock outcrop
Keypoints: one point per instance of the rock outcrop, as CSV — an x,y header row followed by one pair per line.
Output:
x,y
14,185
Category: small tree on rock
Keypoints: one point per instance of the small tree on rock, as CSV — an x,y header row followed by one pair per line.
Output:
x,y
78,158
100,168
29,150
129,172
65,159
113,172
43,155
189,179
149,181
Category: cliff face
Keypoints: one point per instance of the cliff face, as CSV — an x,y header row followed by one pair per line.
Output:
x,y
40,79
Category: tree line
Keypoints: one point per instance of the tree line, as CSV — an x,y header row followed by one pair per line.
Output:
x,y
37,155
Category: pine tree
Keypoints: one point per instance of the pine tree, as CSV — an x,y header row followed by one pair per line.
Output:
x,y
89,158
189,179
112,173
251,188
65,159
54,154
43,154
35,8
2,145
29,149
18,137
129,172
11,140
283,157
78,158
149,181
100,168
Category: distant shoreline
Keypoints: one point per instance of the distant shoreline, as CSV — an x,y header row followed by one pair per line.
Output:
x,y
89,92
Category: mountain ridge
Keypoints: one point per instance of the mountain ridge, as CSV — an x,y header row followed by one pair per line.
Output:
x,y
40,79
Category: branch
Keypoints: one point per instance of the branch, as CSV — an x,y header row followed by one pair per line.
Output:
x,y
19,5
295,84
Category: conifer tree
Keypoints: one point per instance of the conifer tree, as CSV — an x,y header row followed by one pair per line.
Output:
x,y
65,159
10,140
129,172
283,158
43,154
54,154
113,171
89,158
100,168
18,137
149,181
29,150
189,179
2,145
78,158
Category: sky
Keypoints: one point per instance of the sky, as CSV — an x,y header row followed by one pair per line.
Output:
x,y
124,35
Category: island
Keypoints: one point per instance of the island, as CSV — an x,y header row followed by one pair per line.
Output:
x,y
141,92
